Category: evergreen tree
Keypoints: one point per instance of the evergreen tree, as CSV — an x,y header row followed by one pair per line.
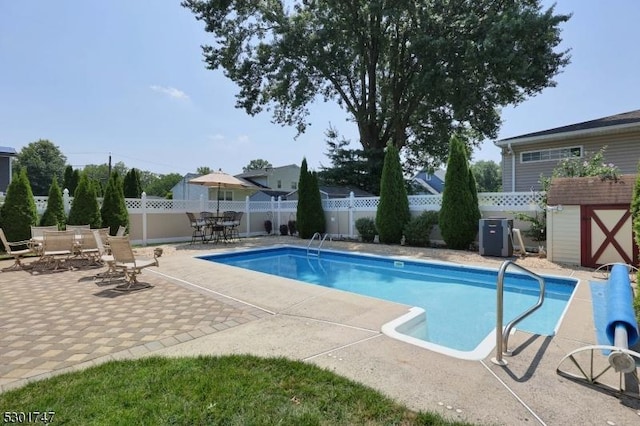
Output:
x,y
67,181
19,209
310,214
303,220
459,213
73,183
132,187
54,213
393,209
315,203
114,210
85,209
474,214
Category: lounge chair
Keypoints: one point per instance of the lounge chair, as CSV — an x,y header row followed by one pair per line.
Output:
x,y
122,230
127,262
13,249
106,258
57,246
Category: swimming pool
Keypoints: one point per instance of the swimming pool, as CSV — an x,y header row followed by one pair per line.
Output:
x,y
453,307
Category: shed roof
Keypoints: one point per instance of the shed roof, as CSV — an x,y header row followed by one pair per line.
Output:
x,y
591,190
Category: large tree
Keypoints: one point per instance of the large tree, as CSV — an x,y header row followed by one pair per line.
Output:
x,y
488,176
43,161
131,185
408,72
349,167
256,164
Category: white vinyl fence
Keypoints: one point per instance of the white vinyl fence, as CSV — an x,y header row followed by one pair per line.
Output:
x,y
160,220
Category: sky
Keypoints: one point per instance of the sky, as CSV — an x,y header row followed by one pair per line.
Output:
x,y
126,79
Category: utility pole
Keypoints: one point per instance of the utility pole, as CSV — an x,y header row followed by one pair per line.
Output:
x,y
109,164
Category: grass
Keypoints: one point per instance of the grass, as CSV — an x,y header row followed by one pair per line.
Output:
x,y
228,390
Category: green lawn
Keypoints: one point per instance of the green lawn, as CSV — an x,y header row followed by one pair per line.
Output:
x,y
228,390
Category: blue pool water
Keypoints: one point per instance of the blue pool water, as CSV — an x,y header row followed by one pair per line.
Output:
x,y
459,302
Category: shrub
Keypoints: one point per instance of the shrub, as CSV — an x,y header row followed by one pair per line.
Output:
x,y
114,209
366,227
459,215
268,226
418,230
19,209
284,230
292,227
54,213
393,208
309,214
85,209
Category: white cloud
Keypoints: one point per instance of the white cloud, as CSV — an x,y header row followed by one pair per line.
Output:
x,y
172,92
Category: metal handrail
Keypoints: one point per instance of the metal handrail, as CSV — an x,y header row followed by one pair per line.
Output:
x,y
317,234
502,338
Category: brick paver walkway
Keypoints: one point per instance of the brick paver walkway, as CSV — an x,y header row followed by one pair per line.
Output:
x,y
61,321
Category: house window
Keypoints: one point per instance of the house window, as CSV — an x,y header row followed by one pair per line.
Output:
x,y
279,184
294,185
553,154
225,195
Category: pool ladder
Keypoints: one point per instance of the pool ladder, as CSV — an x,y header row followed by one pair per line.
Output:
x,y
317,249
502,339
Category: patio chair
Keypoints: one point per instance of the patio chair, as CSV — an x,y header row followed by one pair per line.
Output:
x,y
106,258
88,245
77,228
37,235
127,262
122,230
233,233
13,249
198,226
57,246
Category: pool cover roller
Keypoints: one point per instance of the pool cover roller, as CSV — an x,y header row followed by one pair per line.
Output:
x,y
620,313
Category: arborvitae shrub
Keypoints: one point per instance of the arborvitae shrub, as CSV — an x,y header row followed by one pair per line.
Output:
x,y
84,208
114,209
459,213
393,209
54,213
309,214
19,209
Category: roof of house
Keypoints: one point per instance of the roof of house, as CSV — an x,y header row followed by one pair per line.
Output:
x,y
262,172
625,120
591,190
7,150
434,182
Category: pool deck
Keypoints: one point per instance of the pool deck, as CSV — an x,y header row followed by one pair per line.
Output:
x,y
57,322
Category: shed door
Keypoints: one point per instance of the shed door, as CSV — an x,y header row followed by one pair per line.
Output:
x,y
607,235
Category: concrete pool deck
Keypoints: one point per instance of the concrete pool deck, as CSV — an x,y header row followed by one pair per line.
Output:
x,y
52,323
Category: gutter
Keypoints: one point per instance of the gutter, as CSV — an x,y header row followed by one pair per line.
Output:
x,y
568,135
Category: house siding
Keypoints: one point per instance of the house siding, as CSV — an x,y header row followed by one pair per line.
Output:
x,y
623,150
564,235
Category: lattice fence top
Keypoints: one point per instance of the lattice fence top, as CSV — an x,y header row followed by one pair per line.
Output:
x,y
488,201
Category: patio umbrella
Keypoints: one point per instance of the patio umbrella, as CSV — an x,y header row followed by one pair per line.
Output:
x,y
221,180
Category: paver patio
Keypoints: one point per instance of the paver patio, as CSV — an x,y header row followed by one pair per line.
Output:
x,y
57,322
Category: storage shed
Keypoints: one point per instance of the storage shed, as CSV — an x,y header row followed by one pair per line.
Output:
x,y
589,221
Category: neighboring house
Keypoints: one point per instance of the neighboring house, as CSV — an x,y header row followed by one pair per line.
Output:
x,y
6,159
184,190
327,192
429,183
283,178
525,158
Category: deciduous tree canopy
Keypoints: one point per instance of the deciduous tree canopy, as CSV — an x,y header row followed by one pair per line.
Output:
x,y
408,72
